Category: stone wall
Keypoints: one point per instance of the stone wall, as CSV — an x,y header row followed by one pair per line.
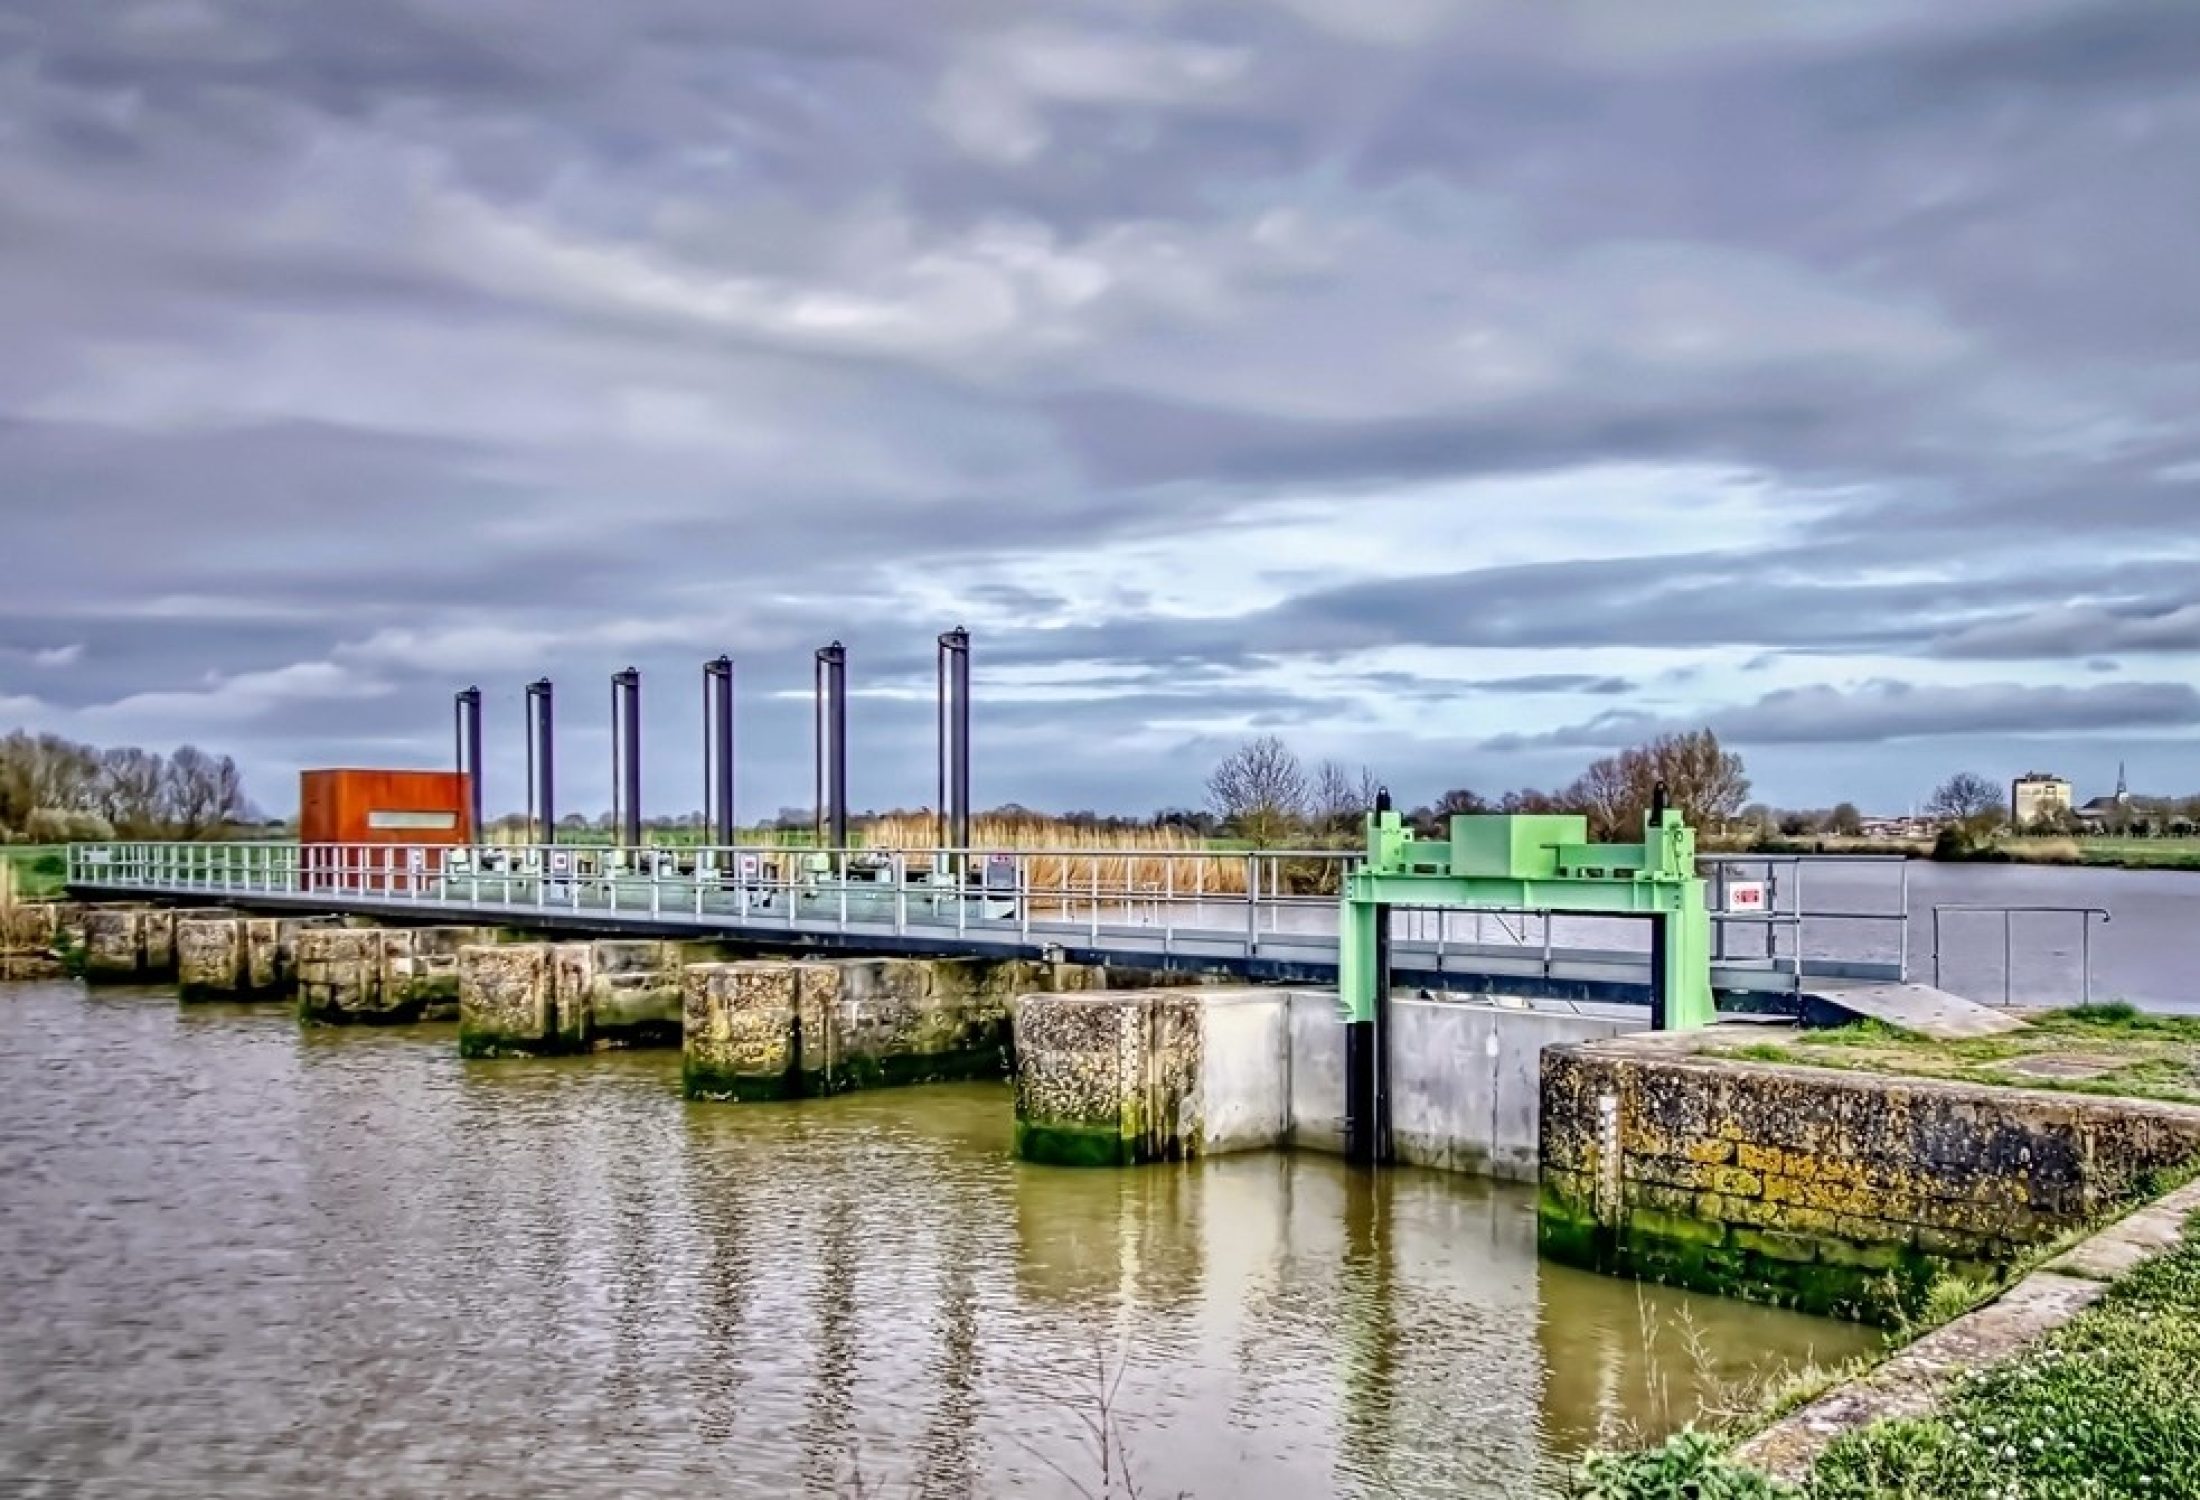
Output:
x,y
538,999
1841,1193
381,975
239,958
776,1029
133,945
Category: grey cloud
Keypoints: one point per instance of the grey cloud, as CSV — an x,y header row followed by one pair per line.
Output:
x,y
1890,710
387,336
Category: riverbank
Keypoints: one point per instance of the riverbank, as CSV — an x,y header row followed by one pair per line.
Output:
x,y
2077,1381
2094,854
2067,1373
34,872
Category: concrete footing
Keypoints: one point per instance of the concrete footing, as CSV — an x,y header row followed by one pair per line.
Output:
x,y
240,958
536,999
781,1030
381,976
1131,1077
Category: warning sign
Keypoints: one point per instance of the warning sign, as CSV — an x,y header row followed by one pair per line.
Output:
x,y
1746,895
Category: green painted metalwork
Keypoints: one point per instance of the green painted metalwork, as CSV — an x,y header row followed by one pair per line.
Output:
x,y
1538,863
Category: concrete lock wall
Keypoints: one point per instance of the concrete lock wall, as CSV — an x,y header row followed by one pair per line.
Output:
x,y
381,976
777,1029
1841,1193
538,999
1159,1076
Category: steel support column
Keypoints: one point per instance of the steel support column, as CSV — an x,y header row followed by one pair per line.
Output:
x,y
626,756
468,757
542,801
718,750
830,687
954,745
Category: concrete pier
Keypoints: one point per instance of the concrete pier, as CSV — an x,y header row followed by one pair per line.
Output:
x,y
240,958
1130,1077
381,976
536,999
34,935
780,1030
133,944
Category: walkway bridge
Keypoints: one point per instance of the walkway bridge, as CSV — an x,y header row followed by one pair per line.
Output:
x,y
1263,915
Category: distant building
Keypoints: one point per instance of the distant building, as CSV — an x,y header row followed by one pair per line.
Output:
x,y
2035,796
2109,814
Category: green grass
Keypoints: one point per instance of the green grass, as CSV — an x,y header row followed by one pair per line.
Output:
x,y
2108,1405
2113,1050
2104,1408
39,869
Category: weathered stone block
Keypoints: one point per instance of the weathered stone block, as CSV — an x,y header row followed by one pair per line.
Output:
x,y
1842,1188
1138,1076
114,945
506,1004
740,1030
381,976
211,958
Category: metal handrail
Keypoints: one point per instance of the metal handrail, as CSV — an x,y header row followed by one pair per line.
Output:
x,y
2008,915
1182,899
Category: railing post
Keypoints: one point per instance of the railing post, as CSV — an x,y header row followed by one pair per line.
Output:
x,y
1936,948
2008,957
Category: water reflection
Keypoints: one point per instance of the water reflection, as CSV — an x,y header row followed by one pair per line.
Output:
x,y
239,1260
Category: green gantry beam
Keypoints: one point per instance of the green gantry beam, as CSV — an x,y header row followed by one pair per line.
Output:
x,y
1533,863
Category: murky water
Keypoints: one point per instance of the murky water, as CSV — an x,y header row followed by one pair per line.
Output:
x,y
241,1260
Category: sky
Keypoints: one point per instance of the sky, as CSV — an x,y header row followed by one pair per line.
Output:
x,y
1461,390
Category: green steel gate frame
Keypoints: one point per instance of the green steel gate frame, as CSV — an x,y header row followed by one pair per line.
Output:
x,y
1539,862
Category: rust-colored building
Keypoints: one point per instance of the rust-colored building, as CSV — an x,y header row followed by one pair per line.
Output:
x,y
351,806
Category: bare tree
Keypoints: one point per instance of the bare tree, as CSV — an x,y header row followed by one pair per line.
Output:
x,y
1341,799
1703,781
1260,791
1965,797
202,794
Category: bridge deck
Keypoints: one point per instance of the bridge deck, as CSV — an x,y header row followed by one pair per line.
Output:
x,y
1274,938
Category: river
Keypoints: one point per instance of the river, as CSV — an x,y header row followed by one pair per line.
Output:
x,y
239,1259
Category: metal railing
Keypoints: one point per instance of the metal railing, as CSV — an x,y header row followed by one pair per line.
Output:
x,y
1278,905
2008,915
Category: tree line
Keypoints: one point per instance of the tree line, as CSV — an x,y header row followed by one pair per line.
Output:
x,y
53,790
1261,792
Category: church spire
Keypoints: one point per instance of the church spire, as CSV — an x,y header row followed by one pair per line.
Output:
x,y
2123,784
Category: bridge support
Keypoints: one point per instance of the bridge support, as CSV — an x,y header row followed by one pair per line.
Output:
x,y
626,756
830,686
718,751
954,746
542,801
468,758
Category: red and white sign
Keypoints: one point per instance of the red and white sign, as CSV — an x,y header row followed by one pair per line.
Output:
x,y
1746,895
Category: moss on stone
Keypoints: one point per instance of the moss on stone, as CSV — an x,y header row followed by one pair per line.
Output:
x,y
1074,1146
699,1080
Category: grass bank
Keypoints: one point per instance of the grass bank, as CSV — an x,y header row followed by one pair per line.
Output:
x,y
2094,1049
37,869
2104,1406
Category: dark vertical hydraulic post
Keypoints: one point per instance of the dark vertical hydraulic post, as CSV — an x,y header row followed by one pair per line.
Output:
x,y
1367,1030
542,799
954,745
831,688
468,749
626,756
718,750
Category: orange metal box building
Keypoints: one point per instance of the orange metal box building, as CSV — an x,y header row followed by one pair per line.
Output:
x,y
351,806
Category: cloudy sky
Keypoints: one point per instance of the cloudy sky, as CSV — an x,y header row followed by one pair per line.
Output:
x,y
1463,389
